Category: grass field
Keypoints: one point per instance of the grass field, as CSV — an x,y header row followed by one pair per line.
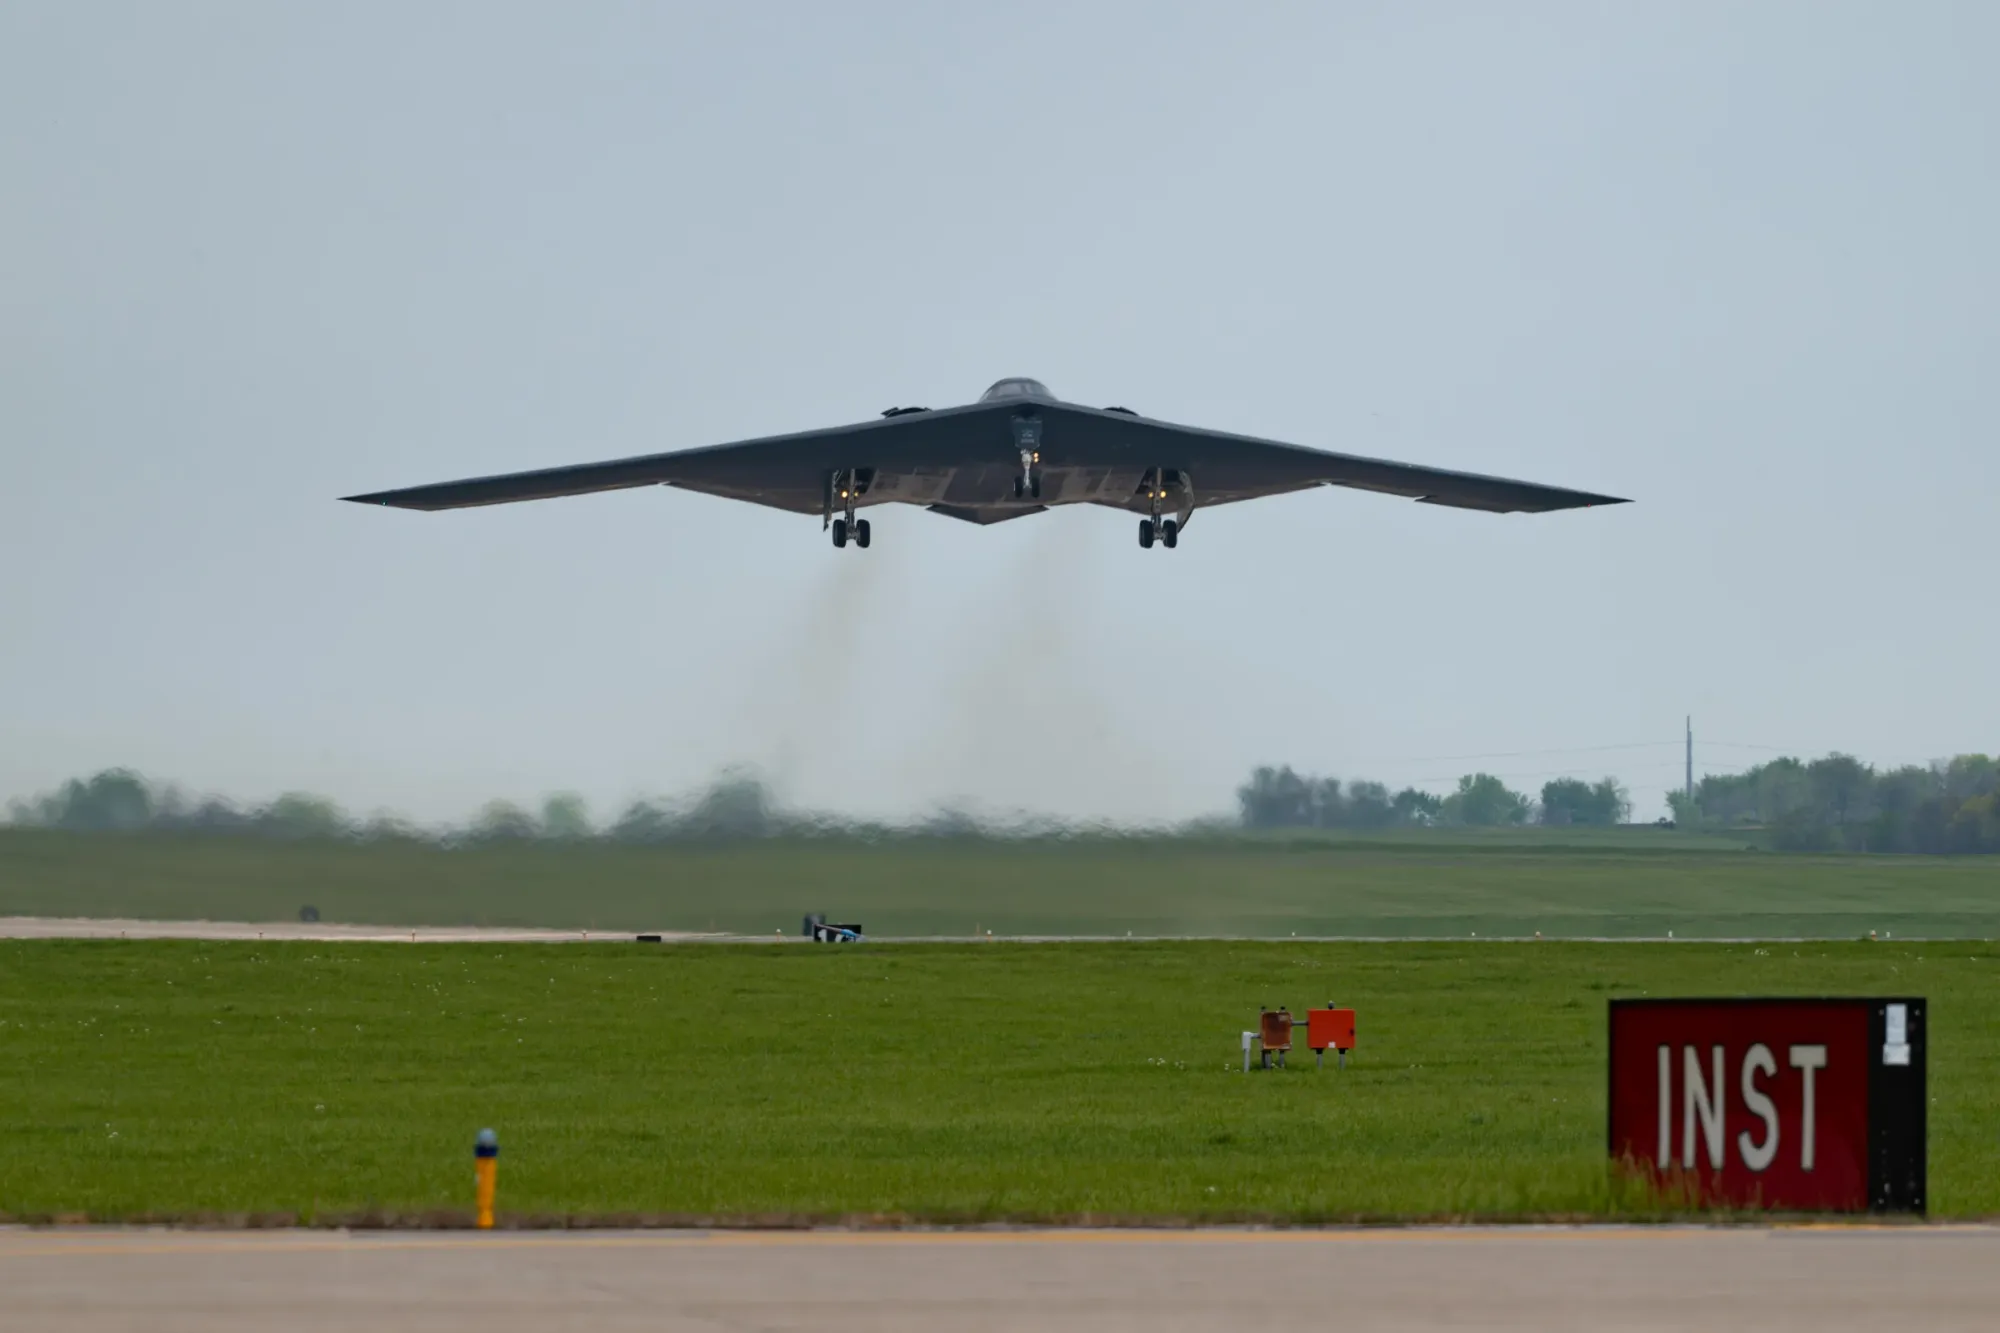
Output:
x,y
1578,883
314,1082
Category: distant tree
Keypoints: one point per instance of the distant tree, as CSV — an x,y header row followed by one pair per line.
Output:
x,y
1976,825
1782,790
1969,775
1841,787
301,815
737,806
1417,807
565,816
643,821
114,801
386,826
215,815
1573,801
1276,798
1483,801
1369,806
502,821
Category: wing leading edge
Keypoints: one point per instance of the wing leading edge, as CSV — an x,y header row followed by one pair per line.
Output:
x,y
957,462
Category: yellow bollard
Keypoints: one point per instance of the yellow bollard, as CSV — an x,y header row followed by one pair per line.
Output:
x,y
486,1167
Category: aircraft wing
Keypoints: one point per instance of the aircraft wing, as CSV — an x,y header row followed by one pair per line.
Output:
x,y
962,462
1224,467
784,471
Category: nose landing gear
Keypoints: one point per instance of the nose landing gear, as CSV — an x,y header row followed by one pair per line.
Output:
x,y
1028,486
1028,440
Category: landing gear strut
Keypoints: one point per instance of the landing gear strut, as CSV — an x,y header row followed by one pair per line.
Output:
x,y
1028,440
1167,531
845,487
1028,486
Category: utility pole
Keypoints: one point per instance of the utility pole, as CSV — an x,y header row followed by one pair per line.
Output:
x,y
1690,763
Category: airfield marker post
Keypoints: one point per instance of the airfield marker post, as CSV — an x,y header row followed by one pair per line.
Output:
x,y
485,1171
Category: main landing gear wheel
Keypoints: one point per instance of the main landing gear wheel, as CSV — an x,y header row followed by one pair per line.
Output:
x,y
1146,533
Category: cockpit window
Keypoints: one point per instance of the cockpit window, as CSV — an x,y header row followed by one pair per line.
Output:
x,y
1016,388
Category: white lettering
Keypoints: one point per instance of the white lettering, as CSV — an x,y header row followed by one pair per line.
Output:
x,y
1695,1097
1808,1059
1666,1107
1758,1058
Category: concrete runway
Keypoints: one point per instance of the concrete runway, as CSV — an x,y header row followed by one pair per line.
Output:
x,y
1605,1280
110,928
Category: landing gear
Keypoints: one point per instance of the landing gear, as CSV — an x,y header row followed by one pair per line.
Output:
x,y
1028,486
1156,485
1028,442
843,488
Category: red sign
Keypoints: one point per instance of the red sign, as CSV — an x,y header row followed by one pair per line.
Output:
x,y
1810,1105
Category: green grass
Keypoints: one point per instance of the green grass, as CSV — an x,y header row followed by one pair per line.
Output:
x,y
1579,883
315,1082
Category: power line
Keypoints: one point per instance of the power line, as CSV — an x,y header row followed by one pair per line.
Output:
x,y
1517,754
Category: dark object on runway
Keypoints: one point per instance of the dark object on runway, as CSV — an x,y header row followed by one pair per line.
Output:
x,y
1019,450
649,939
833,933
308,913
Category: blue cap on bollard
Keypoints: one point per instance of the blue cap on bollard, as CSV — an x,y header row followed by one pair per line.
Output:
x,y
488,1144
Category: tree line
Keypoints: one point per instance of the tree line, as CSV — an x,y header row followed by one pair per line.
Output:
x,y
1832,804
735,806
1838,803
1279,798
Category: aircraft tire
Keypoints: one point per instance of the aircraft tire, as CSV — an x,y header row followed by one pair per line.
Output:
x,y
1170,533
1146,533
861,533
1035,487
840,532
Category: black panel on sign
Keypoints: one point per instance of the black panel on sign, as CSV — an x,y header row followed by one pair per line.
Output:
x,y
1897,1107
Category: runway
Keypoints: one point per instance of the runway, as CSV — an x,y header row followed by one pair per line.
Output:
x,y
108,928
1606,1280
131,928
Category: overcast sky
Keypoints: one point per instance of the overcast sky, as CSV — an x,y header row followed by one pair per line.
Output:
x,y
1735,261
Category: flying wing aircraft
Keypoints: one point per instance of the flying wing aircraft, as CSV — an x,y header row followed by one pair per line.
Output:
x,y
1016,451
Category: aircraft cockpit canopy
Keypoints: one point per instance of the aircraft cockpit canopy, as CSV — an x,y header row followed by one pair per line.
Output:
x,y
1016,388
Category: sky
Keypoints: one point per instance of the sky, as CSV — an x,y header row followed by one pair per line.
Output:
x,y
1733,261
